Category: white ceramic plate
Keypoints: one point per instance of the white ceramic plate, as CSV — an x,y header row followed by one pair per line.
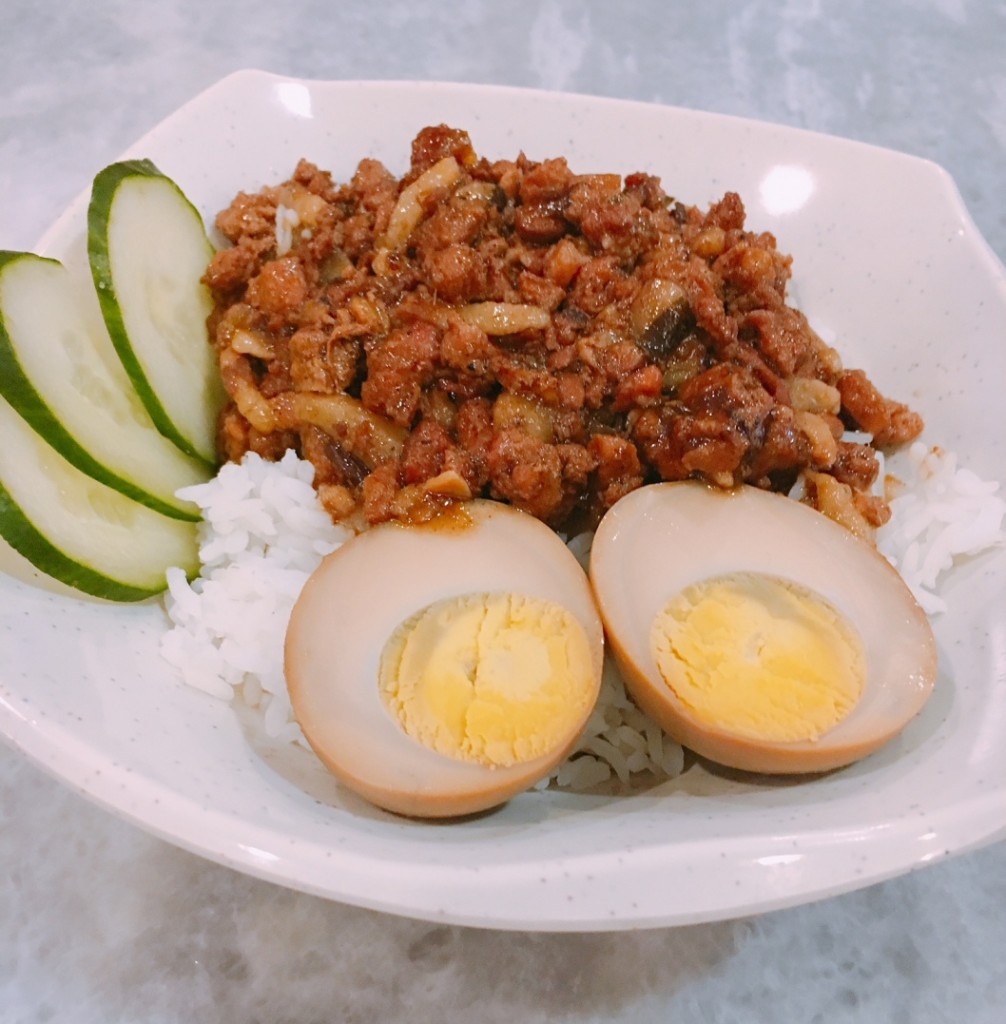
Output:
x,y
888,266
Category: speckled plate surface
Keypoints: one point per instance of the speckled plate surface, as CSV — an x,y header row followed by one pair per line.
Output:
x,y
889,268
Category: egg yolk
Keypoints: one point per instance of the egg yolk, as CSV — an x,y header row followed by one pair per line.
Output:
x,y
759,656
492,678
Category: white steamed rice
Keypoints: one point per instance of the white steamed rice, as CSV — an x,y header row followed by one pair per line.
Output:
x,y
264,532
940,513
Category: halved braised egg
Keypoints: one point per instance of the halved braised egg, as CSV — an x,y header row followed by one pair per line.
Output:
x,y
440,669
757,632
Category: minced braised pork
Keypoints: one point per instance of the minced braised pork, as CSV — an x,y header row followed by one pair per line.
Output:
x,y
516,330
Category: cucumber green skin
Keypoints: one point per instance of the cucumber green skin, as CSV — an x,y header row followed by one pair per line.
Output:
x,y
19,392
18,531
103,190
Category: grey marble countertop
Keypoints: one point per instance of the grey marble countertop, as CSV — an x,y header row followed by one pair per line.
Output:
x,y
102,922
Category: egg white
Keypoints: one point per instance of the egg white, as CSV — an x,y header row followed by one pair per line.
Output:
x,y
351,605
659,539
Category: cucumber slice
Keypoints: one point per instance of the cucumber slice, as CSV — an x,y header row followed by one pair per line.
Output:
x,y
67,382
77,530
148,251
